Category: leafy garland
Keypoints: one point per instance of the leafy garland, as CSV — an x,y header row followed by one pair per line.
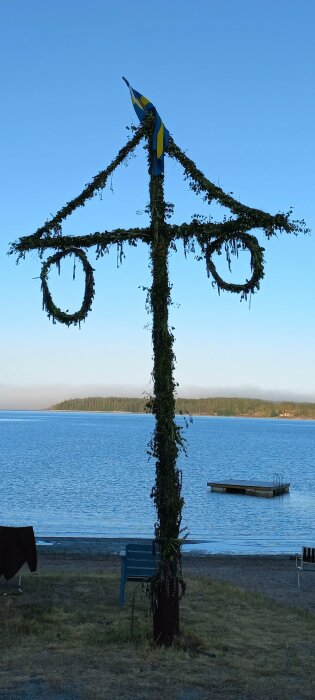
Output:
x,y
98,183
52,310
257,263
210,237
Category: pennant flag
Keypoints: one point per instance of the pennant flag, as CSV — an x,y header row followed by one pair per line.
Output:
x,y
160,137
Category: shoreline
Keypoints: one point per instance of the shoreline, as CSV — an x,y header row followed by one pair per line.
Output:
x,y
179,415
113,546
271,575
102,546
140,413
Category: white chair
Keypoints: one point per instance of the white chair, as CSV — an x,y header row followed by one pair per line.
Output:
x,y
305,562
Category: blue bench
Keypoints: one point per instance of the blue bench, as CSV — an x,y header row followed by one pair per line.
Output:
x,y
138,564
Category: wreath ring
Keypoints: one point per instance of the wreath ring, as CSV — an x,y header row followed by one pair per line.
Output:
x,y
257,263
48,304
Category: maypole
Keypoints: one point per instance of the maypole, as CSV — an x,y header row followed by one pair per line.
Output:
x,y
202,236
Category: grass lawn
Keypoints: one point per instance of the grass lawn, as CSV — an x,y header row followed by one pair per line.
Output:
x,y
65,638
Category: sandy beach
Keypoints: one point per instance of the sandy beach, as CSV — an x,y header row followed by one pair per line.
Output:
x,y
272,576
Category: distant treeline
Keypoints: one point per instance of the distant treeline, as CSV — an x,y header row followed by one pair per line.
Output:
x,y
218,406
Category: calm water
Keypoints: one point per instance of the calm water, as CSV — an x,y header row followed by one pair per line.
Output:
x,y
83,474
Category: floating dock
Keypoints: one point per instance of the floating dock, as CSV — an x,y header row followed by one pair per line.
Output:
x,y
263,489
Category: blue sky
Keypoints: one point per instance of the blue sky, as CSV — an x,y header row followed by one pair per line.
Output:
x,y
234,84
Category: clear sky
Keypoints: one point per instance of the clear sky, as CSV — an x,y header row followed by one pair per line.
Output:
x,y
234,83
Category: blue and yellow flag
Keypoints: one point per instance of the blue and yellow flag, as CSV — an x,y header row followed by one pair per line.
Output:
x,y
160,137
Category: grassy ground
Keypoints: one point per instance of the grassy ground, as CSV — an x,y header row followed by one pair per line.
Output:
x,y
65,638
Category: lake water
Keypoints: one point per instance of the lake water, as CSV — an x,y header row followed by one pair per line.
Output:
x,y
88,475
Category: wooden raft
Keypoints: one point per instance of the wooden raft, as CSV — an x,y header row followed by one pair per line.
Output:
x,y
264,489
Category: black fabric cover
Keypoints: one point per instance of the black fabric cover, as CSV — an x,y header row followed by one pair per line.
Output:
x,y
17,546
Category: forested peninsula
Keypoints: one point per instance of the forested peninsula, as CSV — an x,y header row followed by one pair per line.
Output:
x,y
217,406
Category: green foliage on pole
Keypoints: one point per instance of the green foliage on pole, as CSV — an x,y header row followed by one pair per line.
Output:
x,y
167,438
203,238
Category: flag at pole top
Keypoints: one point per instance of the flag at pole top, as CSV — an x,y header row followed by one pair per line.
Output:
x,y
142,107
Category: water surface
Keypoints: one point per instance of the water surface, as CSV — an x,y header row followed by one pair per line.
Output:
x,y
88,474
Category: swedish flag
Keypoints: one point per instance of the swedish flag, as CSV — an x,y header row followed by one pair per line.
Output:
x,y
160,137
